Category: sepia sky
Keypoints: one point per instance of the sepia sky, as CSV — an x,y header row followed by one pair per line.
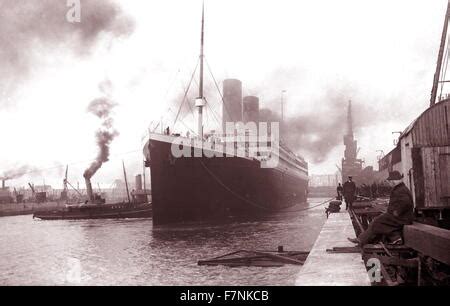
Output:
x,y
380,54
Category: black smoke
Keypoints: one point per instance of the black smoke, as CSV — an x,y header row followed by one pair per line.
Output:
x,y
319,131
102,108
32,30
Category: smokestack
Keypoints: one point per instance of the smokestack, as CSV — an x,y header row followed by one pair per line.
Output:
x,y
251,109
89,192
3,183
138,183
232,102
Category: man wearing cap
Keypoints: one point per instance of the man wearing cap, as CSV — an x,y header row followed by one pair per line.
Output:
x,y
399,213
349,189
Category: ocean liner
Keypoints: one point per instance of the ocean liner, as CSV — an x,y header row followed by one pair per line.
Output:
x,y
204,183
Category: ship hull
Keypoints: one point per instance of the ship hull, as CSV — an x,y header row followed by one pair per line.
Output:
x,y
205,188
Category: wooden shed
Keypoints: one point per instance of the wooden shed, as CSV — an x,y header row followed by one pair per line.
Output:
x,y
423,156
425,150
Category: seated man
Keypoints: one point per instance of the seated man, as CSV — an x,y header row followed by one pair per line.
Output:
x,y
399,213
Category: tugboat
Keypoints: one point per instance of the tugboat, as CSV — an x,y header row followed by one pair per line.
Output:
x,y
95,207
97,211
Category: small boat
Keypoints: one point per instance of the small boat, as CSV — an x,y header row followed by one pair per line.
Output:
x,y
97,211
95,207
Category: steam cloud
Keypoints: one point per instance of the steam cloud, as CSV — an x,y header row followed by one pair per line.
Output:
x,y
317,133
102,108
29,29
17,172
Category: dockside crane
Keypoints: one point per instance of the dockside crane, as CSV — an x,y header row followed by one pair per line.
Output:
x,y
64,193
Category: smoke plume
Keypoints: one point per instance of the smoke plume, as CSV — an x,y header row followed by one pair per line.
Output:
x,y
17,172
102,108
319,131
31,30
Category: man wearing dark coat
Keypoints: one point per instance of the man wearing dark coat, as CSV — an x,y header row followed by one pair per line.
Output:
x,y
349,192
339,191
399,213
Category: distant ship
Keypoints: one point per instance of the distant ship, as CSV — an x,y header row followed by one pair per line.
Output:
x,y
204,187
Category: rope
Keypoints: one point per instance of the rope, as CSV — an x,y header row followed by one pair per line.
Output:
x,y
249,201
185,94
320,204
214,115
218,89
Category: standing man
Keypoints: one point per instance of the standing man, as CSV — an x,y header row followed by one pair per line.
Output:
x,y
399,213
349,192
339,190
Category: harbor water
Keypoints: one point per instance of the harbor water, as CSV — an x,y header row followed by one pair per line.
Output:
x,y
133,252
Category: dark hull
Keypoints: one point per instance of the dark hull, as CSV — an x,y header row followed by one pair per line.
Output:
x,y
202,188
103,211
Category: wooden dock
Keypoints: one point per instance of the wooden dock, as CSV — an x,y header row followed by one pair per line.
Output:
x,y
334,269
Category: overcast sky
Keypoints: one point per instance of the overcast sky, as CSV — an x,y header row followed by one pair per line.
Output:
x,y
380,54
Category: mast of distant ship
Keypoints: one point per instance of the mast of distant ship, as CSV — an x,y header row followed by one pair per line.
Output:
x,y
437,74
200,101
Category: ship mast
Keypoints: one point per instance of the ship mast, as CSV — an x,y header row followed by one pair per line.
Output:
x,y
437,74
200,101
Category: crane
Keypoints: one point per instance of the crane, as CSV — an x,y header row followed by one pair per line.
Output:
x,y
65,179
64,193
32,188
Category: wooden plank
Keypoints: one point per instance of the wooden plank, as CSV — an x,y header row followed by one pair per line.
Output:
x,y
433,198
354,249
429,124
418,177
429,177
280,258
426,174
437,175
444,166
394,261
428,240
368,212
442,126
447,123
370,248
434,127
357,221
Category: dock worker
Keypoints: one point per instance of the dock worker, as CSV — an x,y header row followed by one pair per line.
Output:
x,y
399,213
349,190
339,190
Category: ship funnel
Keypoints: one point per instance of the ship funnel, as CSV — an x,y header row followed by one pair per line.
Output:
x,y
89,192
232,102
251,109
3,184
138,183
